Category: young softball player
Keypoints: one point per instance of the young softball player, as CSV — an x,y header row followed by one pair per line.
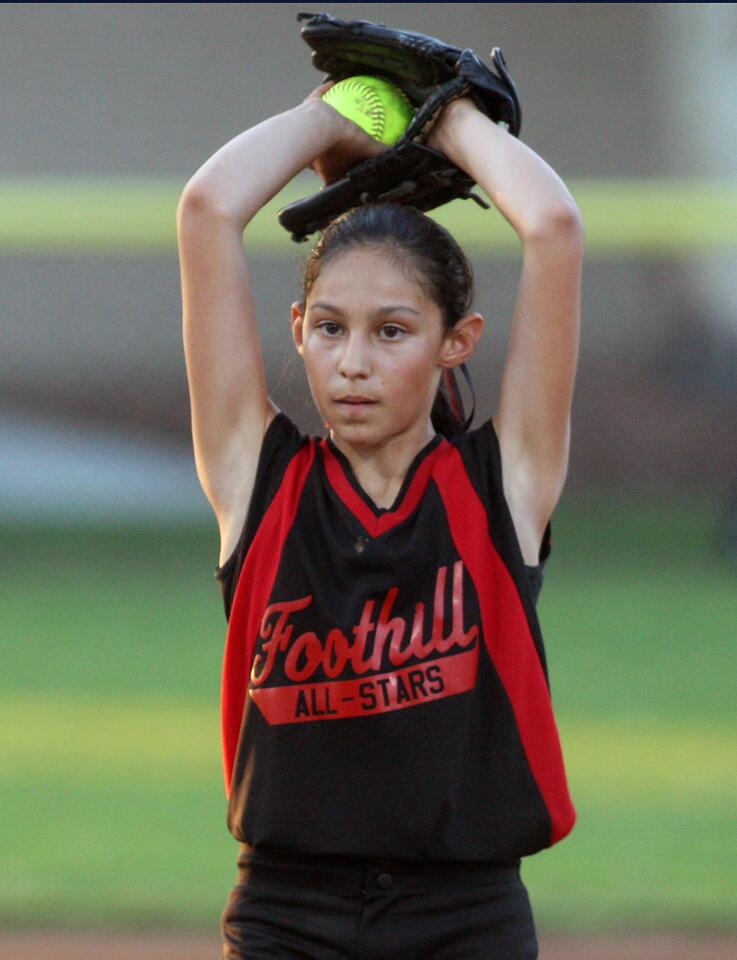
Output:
x,y
389,744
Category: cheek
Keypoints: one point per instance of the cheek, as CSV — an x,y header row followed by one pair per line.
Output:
x,y
424,360
318,366
412,371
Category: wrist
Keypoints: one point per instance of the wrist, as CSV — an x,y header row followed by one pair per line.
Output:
x,y
448,128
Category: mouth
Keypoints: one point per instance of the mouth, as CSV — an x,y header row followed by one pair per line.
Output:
x,y
355,401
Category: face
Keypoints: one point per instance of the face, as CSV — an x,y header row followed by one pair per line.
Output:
x,y
373,346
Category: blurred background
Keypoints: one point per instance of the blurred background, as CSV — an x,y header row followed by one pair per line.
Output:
x,y
112,624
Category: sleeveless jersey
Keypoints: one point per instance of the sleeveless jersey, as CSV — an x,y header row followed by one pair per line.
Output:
x,y
385,690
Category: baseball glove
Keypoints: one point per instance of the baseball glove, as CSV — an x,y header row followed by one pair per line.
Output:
x,y
432,74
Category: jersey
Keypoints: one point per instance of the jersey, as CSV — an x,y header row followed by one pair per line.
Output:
x,y
385,690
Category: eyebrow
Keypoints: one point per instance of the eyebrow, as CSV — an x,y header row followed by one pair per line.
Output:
x,y
381,311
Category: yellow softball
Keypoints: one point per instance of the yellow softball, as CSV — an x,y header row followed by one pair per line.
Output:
x,y
379,107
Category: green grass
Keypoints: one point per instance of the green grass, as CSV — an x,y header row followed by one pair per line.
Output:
x,y
110,216
112,797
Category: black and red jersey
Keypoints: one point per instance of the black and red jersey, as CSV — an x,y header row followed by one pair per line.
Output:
x,y
385,690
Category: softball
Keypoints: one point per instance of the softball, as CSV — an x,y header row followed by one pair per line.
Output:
x,y
379,107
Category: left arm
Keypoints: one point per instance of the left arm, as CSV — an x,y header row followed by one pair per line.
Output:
x,y
533,416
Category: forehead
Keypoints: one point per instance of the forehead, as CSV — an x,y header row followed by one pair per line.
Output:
x,y
369,274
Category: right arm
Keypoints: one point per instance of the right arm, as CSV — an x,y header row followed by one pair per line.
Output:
x,y
229,400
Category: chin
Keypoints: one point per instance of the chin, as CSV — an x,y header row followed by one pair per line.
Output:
x,y
357,431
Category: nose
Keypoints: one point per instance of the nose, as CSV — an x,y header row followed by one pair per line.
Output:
x,y
355,360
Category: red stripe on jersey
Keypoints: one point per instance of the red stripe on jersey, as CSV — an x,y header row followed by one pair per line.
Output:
x,y
251,599
509,640
373,524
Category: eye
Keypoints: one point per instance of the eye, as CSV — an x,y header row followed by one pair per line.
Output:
x,y
391,332
329,328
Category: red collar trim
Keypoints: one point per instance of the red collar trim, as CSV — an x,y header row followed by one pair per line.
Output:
x,y
376,524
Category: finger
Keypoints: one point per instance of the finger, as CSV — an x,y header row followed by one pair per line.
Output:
x,y
319,91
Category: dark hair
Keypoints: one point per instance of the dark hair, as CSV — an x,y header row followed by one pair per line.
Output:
x,y
431,257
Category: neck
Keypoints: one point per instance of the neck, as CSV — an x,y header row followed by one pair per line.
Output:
x,y
381,468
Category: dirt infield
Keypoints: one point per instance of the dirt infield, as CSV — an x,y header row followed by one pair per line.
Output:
x,y
160,946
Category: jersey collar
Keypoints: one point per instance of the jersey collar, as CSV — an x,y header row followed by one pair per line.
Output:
x,y
377,520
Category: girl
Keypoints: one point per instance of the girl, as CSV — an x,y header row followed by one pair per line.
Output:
x,y
389,744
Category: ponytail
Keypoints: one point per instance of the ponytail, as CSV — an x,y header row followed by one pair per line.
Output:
x,y
448,411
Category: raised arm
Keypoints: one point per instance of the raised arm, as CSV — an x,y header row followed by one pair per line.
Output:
x,y
533,415
229,399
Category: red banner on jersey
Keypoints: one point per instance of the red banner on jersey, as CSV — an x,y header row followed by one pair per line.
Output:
x,y
379,693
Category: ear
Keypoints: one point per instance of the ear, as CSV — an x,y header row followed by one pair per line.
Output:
x,y
460,341
297,321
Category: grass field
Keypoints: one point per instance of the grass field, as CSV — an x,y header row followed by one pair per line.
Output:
x,y
664,217
112,798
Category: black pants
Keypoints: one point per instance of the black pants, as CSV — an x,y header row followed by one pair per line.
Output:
x,y
284,909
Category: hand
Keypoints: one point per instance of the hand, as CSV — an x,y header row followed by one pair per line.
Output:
x,y
350,146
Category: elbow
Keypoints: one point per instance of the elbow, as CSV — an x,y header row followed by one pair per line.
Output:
x,y
199,203
560,226
193,203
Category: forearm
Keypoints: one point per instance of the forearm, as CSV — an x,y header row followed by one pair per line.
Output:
x,y
525,190
253,167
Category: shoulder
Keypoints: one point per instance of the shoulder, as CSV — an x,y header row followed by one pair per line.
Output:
x,y
468,468
284,448
285,458
483,436
282,432
478,453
